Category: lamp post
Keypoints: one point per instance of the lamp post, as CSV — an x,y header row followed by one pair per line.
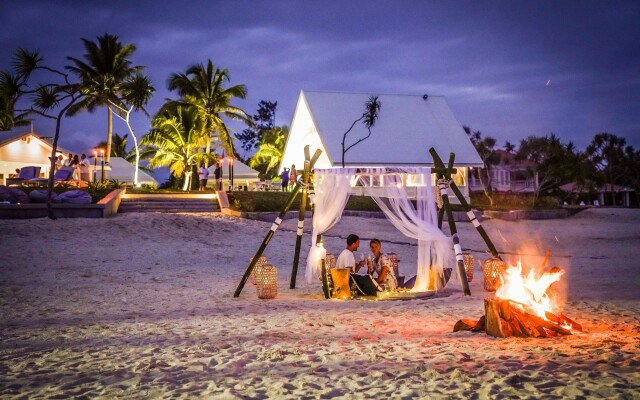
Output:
x,y
102,171
95,164
231,170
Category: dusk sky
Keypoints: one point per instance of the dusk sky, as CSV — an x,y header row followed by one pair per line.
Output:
x,y
509,69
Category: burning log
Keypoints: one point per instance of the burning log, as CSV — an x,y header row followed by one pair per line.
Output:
x,y
504,318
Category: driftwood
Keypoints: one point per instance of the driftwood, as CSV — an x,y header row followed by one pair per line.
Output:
x,y
504,319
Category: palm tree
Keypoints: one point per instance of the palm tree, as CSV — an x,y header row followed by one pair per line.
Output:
x,y
509,147
13,85
105,67
368,118
177,136
204,88
270,149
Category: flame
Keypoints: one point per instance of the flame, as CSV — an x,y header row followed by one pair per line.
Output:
x,y
530,291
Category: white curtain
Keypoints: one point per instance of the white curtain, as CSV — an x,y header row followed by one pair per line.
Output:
x,y
332,190
333,187
419,222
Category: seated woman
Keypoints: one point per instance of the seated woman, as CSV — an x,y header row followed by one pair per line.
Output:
x,y
380,265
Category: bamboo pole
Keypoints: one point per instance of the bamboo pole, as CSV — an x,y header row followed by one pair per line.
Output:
x,y
273,229
454,231
303,208
437,161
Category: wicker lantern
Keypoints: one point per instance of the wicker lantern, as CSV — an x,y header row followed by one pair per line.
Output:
x,y
262,260
468,266
493,271
266,281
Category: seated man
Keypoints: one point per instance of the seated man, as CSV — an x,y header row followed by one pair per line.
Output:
x,y
346,258
360,284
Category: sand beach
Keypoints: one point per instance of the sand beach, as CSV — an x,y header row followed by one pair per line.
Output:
x,y
142,306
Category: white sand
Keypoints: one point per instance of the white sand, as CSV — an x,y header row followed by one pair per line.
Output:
x,y
141,306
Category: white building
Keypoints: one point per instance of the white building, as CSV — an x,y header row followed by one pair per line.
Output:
x,y
20,148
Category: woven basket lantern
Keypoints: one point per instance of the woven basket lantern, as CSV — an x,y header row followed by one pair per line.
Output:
x,y
468,266
262,260
493,270
266,281
330,261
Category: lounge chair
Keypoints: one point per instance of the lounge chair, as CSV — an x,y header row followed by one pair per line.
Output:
x,y
25,175
64,174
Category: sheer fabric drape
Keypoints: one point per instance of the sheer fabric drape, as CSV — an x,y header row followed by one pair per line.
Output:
x,y
419,222
332,190
333,187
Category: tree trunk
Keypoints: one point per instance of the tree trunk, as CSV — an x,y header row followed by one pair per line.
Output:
x,y
187,179
486,186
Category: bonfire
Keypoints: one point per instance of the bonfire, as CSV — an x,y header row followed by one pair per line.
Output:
x,y
525,305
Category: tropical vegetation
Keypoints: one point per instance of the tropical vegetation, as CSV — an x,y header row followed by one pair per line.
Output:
x,y
204,88
102,71
177,137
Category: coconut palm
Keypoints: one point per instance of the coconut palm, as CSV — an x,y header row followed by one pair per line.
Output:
x,y
176,136
270,149
105,67
204,88
13,85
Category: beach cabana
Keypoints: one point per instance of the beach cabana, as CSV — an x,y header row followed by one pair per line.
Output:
x,y
407,126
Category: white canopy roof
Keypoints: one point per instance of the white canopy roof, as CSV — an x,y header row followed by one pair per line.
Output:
x,y
408,125
240,170
123,171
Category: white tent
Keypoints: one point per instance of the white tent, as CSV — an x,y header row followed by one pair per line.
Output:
x,y
123,171
407,126
243,175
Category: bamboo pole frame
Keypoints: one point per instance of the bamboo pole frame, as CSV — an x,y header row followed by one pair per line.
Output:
x,y
437,162
304,193
274,227
442,176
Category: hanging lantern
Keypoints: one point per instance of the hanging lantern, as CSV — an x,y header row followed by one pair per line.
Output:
x,y
468,266
266,281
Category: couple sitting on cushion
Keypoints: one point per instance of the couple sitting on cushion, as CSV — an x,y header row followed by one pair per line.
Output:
x,y
378,265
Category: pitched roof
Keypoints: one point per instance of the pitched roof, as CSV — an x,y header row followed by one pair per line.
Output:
x,y
14,134
407,126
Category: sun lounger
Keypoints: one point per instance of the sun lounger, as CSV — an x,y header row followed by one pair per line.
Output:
x,y
64,174
25,175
